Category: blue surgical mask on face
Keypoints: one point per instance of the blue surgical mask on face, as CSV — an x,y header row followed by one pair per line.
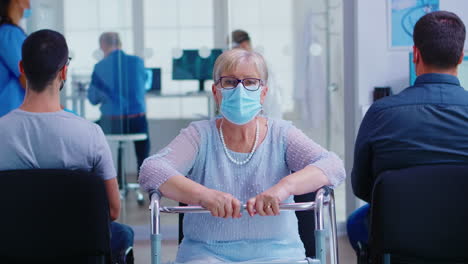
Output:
x,y
240,105
27,13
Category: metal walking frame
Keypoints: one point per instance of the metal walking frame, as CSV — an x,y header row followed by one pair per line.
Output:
x,y
324,198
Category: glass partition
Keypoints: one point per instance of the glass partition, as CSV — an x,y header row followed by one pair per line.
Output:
x,y
176,43
302,44
84,22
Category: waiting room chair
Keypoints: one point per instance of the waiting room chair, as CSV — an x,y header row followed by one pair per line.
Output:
x,y
306,224
61,216
420,215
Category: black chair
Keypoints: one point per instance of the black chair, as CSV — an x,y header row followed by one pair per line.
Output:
x,y
61,216
420,215
306,224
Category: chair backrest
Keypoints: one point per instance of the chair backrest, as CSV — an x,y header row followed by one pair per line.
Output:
x,y
48,215
421,213
306,224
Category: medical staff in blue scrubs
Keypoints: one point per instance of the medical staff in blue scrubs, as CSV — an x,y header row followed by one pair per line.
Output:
x,y
12,83
118,85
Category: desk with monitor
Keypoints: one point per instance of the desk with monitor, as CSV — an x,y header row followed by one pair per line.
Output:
x,y
153,80
189,66
192,66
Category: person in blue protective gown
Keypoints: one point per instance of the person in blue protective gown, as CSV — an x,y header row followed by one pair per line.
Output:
x,y
12,83
118,85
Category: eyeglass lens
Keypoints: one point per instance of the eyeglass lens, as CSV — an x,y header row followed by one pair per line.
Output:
x,y
249,83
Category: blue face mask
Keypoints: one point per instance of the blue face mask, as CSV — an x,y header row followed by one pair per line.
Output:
x,y
27,13
240,105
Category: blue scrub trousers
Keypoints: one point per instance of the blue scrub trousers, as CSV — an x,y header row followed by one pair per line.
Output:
x,y
358,227
121,237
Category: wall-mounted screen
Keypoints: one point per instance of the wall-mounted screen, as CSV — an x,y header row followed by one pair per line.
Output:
x,y
153,80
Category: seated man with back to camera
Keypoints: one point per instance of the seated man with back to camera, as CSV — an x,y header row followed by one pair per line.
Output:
x,y
40,135
240,157
118,84
425,124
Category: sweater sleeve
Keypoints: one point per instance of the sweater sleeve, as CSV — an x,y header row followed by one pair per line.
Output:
x,y
301,151
177,158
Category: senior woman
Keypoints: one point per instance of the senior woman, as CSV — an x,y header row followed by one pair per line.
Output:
x,y
241,157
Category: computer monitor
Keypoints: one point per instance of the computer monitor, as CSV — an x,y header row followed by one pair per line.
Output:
x,y
153,80
462,71
412,69
190,66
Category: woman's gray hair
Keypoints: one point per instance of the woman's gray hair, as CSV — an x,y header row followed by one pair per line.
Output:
x,y
110,39
230,59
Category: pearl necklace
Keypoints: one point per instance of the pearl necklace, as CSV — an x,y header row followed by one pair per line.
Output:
x,y
257,133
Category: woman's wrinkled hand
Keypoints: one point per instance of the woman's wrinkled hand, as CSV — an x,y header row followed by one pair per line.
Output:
x,y
220,204
267,203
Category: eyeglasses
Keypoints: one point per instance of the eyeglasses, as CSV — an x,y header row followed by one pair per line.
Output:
x,y
66,64
251,84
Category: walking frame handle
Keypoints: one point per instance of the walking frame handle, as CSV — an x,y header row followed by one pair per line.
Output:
x,y
198,209
324,198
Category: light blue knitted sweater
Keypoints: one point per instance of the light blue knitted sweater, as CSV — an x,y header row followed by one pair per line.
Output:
x,y
198,153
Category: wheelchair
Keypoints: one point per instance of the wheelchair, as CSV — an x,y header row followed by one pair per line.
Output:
x,y
324,203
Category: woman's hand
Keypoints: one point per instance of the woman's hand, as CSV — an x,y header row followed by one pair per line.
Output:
x,y
267,203
220,204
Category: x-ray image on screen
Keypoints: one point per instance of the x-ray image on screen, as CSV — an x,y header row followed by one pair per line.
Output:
x,y
191,66
403,15
463,73
153,80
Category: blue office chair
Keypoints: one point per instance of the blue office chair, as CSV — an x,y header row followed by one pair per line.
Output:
x,y
420,215
61,216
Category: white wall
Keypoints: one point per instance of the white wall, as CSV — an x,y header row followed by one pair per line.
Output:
x,y
46,14
270,27
377,64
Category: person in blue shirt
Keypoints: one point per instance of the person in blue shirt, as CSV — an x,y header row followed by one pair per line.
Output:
x,y
12,83
426,123
118,84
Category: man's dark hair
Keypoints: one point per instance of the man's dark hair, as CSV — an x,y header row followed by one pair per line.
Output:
x,y
4,8
440,37
44,53
239,36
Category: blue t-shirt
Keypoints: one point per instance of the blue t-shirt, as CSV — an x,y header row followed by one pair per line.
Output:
x,y
11,92
118,84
